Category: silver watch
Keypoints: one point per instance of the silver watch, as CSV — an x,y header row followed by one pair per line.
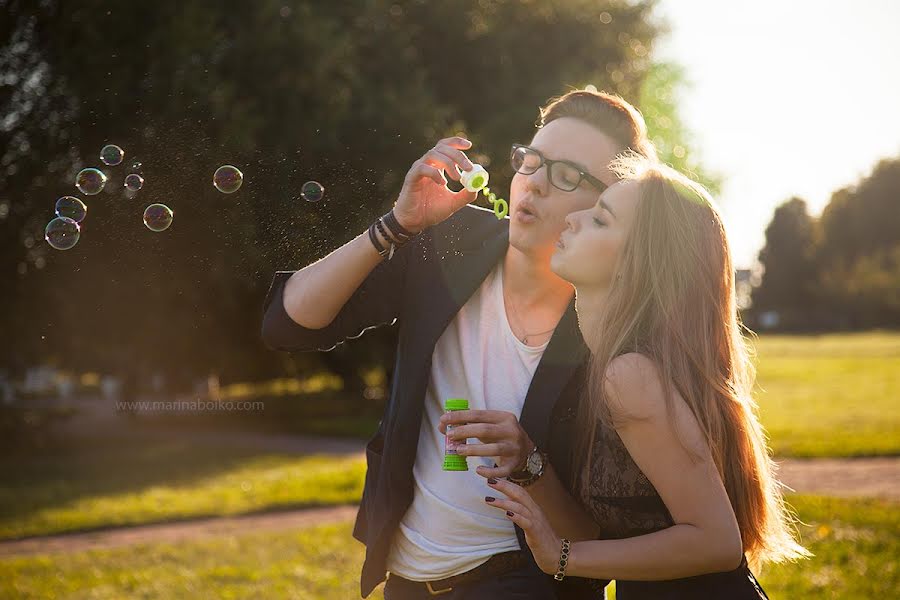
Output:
x,y
535,463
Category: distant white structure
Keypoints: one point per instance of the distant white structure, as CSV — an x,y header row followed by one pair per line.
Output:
x,y
769,319
110,387
39,380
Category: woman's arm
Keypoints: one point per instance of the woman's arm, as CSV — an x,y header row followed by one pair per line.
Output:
x,y
566,515
705,537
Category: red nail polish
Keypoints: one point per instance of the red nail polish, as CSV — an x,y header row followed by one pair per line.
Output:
x,y
509,513
492,480
489,498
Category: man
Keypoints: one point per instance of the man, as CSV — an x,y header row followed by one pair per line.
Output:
x,y
481,317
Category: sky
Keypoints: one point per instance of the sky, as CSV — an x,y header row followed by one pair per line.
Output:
x,y
784,98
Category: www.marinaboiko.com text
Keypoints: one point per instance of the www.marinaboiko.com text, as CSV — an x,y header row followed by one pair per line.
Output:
x,y
188,405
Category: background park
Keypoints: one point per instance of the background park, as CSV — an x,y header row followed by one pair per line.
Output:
x,y
242,480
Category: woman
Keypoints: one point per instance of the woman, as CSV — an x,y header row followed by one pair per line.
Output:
x,y
674,468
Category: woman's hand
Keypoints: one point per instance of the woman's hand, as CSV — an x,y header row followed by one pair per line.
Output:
x,y
425,199
522,510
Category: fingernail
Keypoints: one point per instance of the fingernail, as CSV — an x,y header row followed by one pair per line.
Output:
x,y
509,513
492,480
489,498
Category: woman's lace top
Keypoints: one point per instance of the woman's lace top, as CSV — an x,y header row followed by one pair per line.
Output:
x,y
617,494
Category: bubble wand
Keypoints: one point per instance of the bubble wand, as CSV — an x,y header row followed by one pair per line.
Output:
x,y
476,180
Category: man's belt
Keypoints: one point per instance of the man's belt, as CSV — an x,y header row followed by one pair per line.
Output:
x,y
496,565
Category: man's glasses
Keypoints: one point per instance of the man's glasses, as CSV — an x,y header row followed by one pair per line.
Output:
x,y
562,174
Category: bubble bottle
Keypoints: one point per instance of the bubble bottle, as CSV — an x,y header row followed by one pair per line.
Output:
x,y
476,180
452,460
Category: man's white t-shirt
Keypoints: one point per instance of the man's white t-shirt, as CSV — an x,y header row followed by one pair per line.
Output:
x,y
449,528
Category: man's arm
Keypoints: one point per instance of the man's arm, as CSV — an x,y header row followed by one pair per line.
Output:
x,y
335,298
354,288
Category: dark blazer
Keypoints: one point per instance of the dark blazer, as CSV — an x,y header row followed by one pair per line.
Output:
x,y
422,288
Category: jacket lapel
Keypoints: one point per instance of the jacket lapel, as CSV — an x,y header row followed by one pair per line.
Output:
x,y
564,354
459,272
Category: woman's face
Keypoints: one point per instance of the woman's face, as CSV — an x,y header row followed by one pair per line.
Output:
x,y
566,139
589,248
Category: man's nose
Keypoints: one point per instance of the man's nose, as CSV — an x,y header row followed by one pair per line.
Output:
x,y
537,181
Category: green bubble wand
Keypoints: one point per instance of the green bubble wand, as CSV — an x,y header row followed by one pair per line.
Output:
x,y
476,180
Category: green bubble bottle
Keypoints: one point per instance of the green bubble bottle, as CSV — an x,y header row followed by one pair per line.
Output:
x,y
452,460
475,180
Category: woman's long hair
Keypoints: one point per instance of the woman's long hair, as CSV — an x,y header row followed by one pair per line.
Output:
x,y
675,303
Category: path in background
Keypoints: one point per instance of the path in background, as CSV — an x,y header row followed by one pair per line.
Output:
x,y
195,529
877,477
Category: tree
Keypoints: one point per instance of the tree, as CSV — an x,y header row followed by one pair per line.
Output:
x,y
788,257
345,93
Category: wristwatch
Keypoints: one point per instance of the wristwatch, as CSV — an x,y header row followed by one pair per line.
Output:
x,y
535,463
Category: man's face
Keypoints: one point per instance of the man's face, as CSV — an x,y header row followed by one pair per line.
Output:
x,y
566,139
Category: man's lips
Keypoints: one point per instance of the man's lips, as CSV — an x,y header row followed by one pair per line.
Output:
x,y
528,209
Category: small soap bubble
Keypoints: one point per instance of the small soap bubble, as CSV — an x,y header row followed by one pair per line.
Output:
x,y
312,191
71,208
62,233
90,181
134,182
158,217
112,155
136,165
228,179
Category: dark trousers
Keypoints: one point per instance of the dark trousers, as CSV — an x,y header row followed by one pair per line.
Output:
x,y
527,583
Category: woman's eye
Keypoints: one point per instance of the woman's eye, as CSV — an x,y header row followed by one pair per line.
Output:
x,y
599,222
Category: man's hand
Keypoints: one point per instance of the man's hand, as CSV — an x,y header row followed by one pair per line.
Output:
x,y
500,434
425,199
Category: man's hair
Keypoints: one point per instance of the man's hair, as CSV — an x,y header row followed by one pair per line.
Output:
x,y
609,113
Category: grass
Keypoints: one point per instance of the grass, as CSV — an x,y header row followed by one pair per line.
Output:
x,y
130,481
830,395
321,563
855,542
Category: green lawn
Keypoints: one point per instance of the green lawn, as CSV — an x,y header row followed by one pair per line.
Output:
x,y
118,481
831,395
855,542
317,563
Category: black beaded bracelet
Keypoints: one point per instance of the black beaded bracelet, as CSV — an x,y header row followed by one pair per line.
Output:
x,y
563,560
381,249
390,219
383,233
389,234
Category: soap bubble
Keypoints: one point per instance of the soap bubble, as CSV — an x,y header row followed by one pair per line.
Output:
x,y
62,233
71,208
134,182
136,166
228,179
158,217
312,191
90,181
112,155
